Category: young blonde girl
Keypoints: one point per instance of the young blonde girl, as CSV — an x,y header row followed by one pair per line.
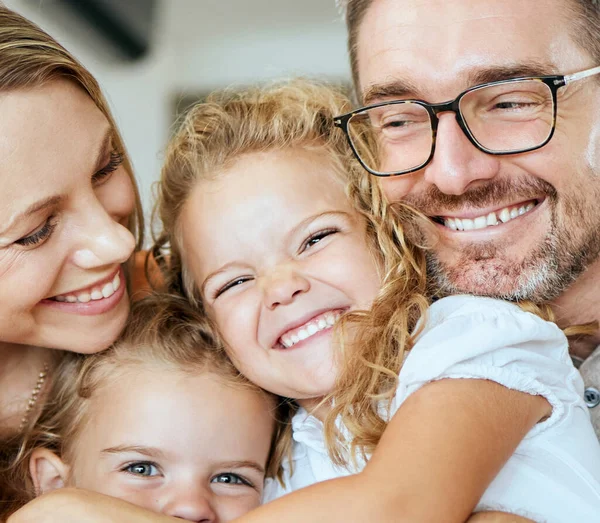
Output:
x,y
161,419
413,411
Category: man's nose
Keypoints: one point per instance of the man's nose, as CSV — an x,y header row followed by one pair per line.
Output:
x,y
457,165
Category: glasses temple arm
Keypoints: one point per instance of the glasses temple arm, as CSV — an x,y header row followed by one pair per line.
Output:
x,y
582,74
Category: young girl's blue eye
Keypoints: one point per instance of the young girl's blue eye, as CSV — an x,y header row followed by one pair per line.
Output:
x,y
142,468
230,478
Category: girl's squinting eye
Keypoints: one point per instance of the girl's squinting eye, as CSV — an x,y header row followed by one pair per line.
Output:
x,y
142,468
229,478
116,159
315,238
40,235
230,285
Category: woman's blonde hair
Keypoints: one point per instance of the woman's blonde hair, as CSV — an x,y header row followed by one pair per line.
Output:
x,y
163,332
30,57
296,115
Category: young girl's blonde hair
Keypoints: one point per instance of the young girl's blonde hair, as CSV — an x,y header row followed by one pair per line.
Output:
x,y
296,115
163,332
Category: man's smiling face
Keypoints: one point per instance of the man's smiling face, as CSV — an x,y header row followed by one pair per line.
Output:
x,y
546,200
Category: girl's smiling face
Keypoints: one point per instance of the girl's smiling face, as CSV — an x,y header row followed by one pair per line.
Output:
x,y
65,206
190,446
278,253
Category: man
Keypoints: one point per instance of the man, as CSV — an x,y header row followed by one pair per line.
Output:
x,y
509,173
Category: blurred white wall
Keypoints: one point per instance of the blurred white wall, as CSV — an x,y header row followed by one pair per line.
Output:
x,y
200,45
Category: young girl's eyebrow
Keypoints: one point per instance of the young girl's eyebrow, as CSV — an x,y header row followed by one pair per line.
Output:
x,y
243,465
152,452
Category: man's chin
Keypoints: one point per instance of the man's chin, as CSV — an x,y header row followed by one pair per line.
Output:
x,y
497,278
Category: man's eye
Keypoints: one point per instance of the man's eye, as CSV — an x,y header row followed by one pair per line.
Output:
x,y
39,235
142,469
316,238
231,284
230,478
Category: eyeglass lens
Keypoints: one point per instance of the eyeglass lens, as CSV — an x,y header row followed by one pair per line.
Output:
x,y
501,118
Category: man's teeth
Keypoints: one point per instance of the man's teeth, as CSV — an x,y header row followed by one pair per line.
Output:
x,y
321,322
94,293
489,220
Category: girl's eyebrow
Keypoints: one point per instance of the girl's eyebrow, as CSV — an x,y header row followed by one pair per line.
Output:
x,y
152,452
244,464
302,225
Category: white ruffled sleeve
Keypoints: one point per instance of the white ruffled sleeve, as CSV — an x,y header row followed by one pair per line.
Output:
x,y
482,338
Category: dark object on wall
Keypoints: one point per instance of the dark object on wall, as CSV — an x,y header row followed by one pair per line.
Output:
x,y
126,24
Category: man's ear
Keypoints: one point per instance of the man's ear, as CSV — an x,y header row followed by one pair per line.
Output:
x,y
47,470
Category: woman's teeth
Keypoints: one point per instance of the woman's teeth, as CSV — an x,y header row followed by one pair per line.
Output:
x,y
93,293
317,324
489,220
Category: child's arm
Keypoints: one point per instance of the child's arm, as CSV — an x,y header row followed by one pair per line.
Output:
x,y
437,456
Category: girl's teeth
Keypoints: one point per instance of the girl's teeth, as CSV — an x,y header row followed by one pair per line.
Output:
x,y
96,295
313,327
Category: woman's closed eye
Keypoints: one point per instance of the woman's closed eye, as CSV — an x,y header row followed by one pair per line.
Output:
x,y
317,237
39,235
144,469
115,161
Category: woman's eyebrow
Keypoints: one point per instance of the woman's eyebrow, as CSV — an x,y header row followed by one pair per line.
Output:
x,y
32,209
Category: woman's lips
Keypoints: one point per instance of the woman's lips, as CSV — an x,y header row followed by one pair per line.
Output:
x,y
97,299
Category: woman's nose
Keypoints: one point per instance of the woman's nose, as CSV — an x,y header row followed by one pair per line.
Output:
x,y
102,240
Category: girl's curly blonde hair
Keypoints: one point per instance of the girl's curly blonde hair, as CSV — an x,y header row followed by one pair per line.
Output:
x,y
299,115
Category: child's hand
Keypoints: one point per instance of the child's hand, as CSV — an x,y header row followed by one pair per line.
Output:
x,y
81,506
497,517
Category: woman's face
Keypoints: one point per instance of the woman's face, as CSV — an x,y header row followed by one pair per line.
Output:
x,y
64,207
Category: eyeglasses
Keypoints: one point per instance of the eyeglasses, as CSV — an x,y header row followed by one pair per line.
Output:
x,y
506,117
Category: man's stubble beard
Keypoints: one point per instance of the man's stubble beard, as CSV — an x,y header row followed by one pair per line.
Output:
x,y
545,272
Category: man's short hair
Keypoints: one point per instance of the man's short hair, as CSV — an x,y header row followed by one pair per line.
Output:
x,y
585,16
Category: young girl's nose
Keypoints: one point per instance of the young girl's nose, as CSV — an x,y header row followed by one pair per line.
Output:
x,y
191,505
282,287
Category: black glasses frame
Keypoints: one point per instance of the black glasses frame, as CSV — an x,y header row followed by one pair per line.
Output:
x,y
554,83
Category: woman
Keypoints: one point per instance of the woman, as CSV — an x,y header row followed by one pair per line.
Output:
x,y
70,218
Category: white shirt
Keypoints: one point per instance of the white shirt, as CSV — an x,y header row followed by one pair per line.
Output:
x,y
554,474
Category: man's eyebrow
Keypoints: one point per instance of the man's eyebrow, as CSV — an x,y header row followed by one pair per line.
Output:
x,y
152,452
397,88
242,464
506,72
35,207
401,88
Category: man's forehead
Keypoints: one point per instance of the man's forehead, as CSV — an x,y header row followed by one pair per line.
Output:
x,y
430,44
